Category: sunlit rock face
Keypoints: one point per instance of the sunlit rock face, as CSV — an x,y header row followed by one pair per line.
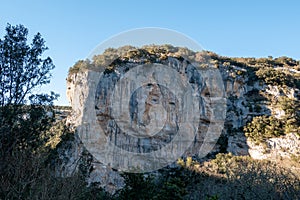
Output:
x,y
158,104
173,102
275,148
145,117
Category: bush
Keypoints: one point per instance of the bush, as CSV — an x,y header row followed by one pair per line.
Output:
x,y
272,76
146,186
253,179
80,66
264,127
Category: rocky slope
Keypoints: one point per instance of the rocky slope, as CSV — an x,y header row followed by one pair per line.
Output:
x,y
252,87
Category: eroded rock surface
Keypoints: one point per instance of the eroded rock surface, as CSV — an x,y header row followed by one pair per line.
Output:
x,y
153,112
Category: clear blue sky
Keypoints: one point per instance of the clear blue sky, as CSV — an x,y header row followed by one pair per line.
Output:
x,y
72,29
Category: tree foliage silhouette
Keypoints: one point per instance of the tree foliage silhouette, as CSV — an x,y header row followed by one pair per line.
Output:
x,y
25,115
22,71
22,68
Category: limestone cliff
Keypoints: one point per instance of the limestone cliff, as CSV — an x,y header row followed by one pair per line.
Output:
x,y
252,87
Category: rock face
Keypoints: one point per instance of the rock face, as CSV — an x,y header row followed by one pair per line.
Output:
x,y
162,106
283,147
155,108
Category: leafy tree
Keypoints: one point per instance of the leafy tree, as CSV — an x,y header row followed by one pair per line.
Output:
x,y
22,69
137,186
291,107
263,127
25,116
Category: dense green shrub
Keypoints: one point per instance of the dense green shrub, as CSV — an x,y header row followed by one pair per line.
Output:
x,y
275,77
291,118
80,65
168,185
263,127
